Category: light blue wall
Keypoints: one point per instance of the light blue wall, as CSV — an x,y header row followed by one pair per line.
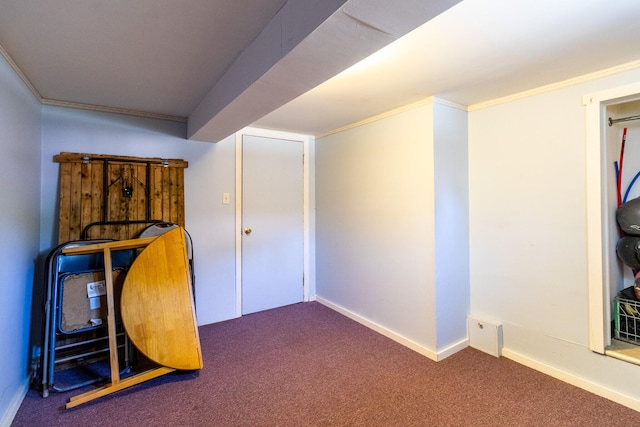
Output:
x,y
451,215
211,172
20,119
392,225
375,224
528,213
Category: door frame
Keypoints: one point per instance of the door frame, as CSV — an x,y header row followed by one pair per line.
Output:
x,y
306,141
599,250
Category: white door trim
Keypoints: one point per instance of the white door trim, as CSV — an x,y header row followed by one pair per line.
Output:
x,y
598,250
305,139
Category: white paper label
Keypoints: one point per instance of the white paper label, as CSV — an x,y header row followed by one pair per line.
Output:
x,y
95,289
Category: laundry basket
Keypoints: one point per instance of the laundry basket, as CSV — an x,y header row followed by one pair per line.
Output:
x,y
627,320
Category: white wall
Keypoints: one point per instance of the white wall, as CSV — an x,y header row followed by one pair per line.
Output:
x,y
374,223
376,242
20,118
527,230
451,214
211,172
528,233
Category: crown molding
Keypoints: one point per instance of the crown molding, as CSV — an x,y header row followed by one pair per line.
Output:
x,y
114,110
19,72
558,85
480,105
426,101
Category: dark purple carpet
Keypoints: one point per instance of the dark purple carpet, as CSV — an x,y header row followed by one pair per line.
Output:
x,y
306,365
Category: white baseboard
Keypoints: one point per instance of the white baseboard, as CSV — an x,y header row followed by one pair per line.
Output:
x,y
574,380
418,348
453,348
12,409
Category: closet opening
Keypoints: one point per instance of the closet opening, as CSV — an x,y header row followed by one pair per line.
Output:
x,y
613,221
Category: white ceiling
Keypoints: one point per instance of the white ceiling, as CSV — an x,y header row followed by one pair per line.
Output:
x,y
227,64
477,51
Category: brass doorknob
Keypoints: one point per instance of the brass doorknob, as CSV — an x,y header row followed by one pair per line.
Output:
x,y
247,231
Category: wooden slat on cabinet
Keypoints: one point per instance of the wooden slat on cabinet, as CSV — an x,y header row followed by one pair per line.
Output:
x,y
180,196
75,199
114,200
166,189
173,196
125,214
156,190
97,202
138,205
65,202
86,194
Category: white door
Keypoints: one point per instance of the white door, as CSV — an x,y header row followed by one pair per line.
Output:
x,y
272,223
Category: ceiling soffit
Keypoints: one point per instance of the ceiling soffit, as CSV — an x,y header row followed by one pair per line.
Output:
x,y
266,77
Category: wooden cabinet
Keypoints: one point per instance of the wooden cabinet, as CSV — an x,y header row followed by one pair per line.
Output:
x,y
115,197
